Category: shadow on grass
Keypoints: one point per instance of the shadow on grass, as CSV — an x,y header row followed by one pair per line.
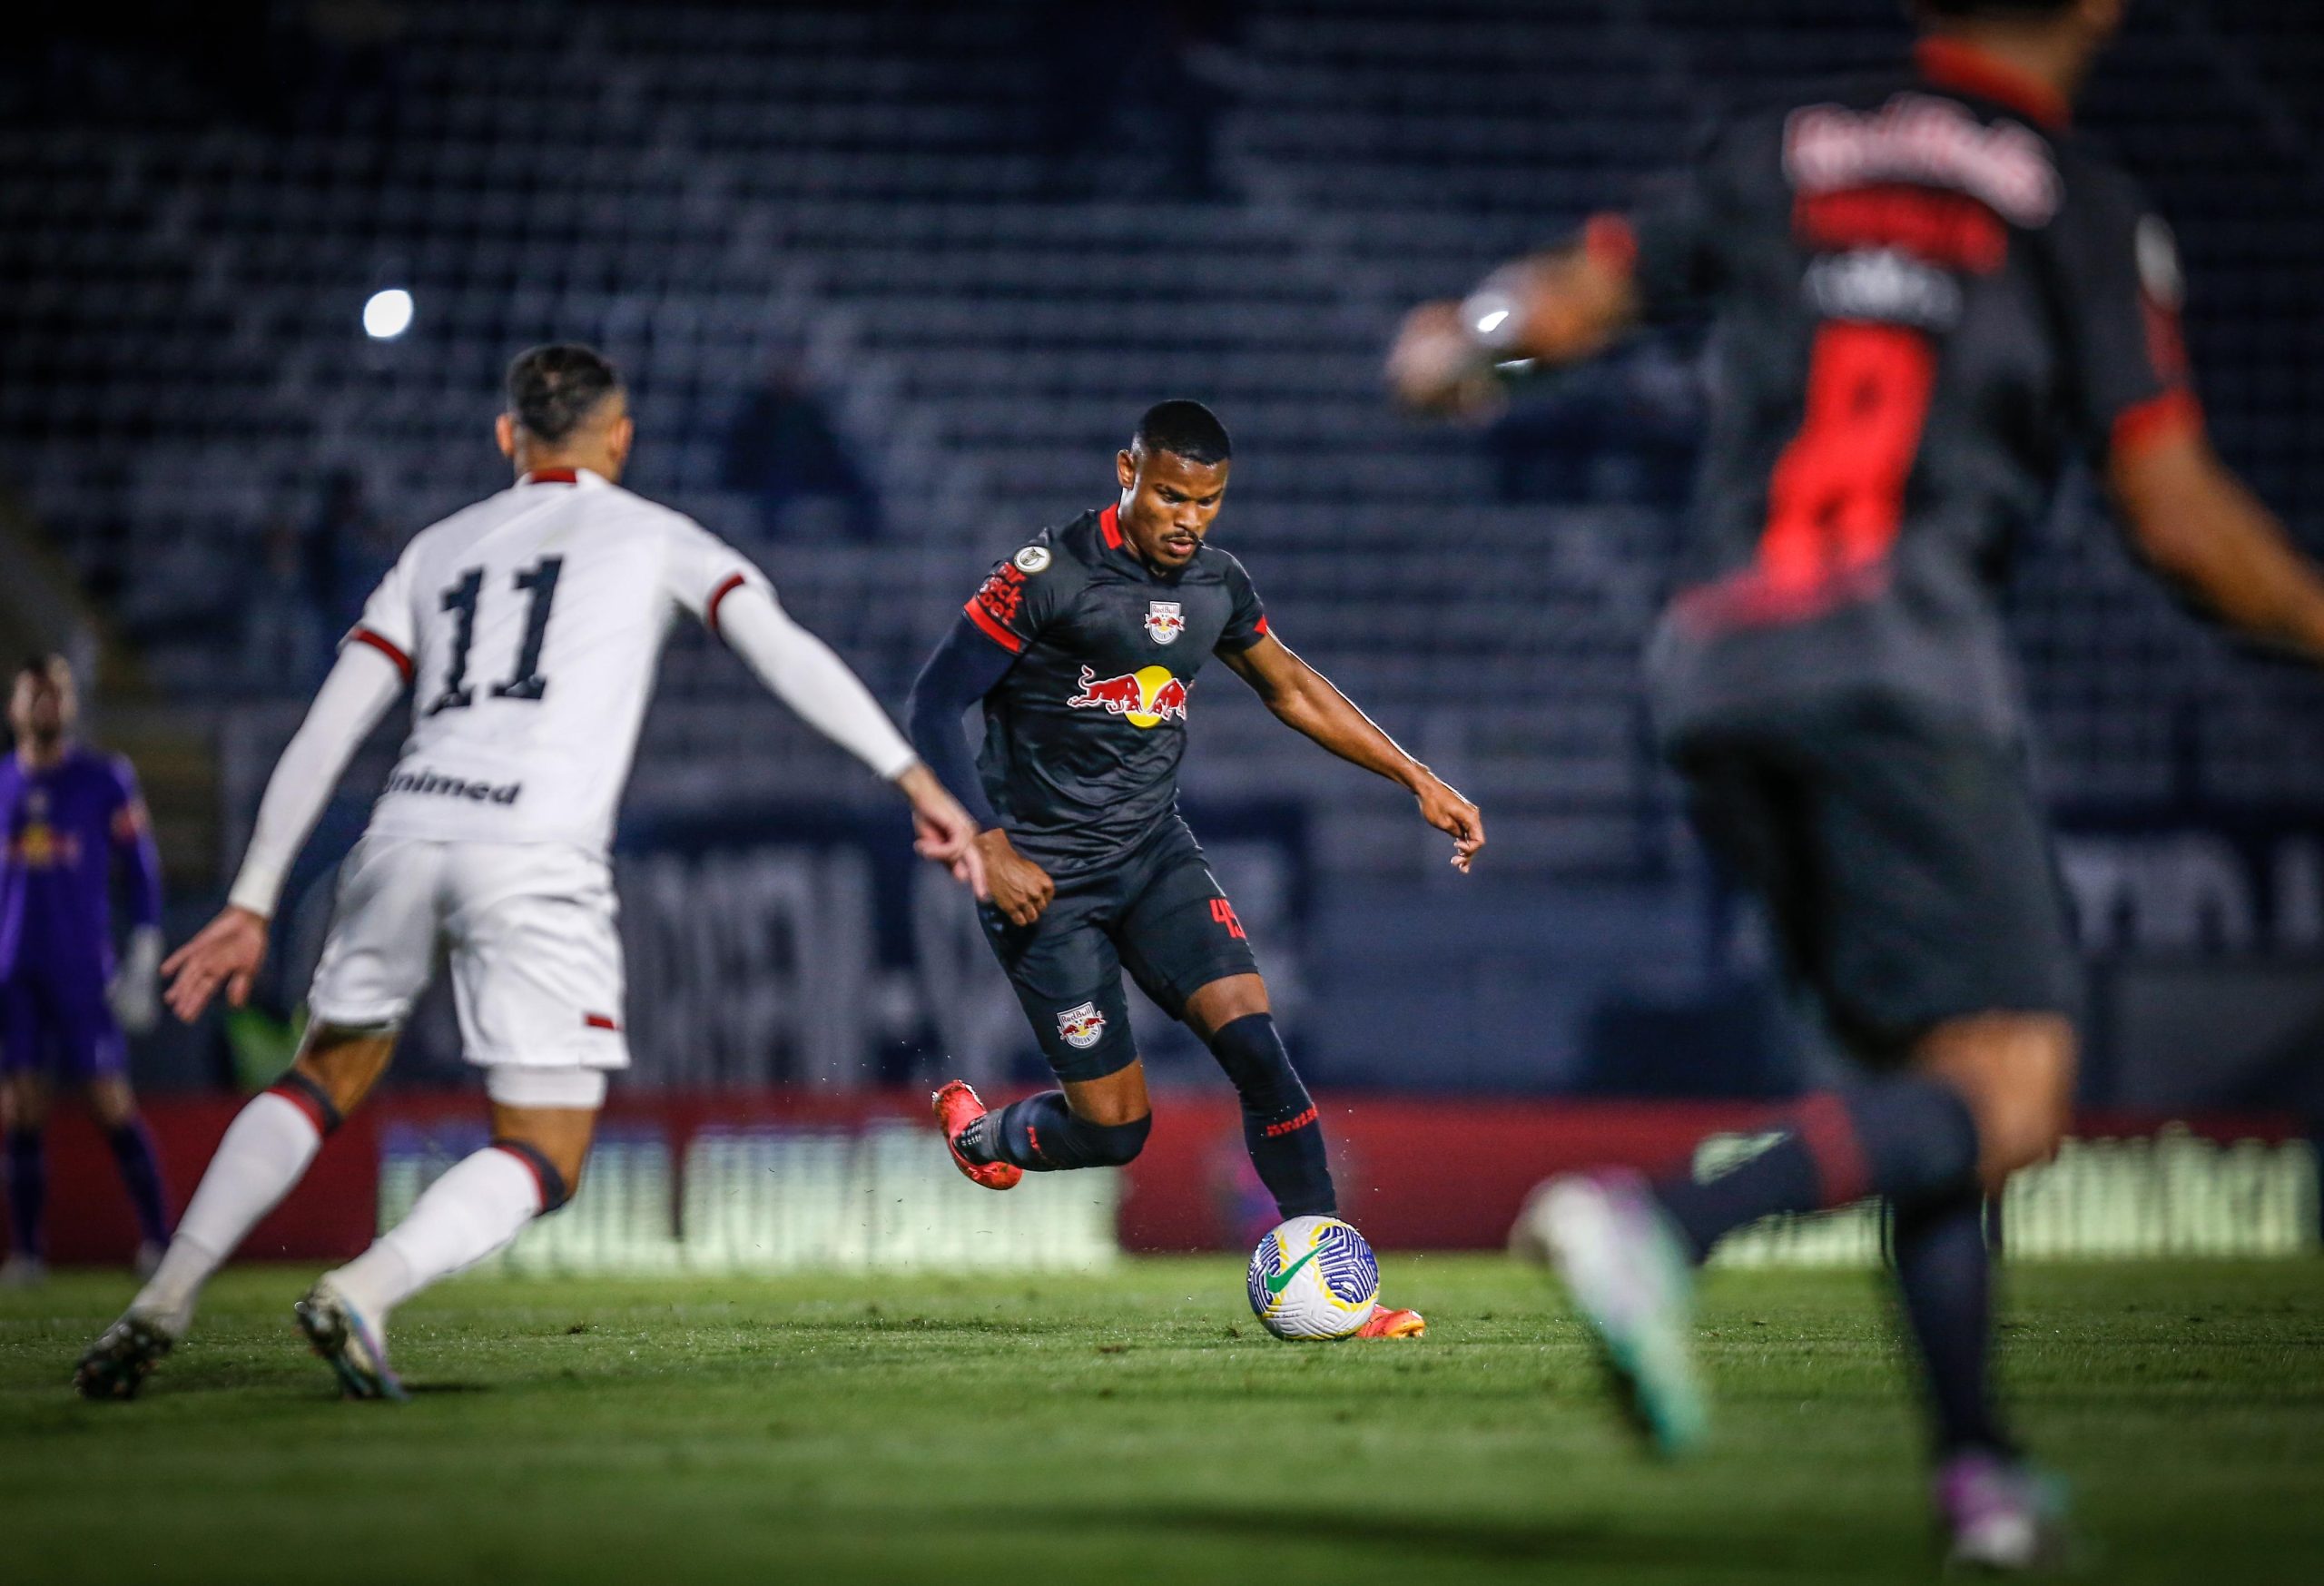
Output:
x,y
1484,1538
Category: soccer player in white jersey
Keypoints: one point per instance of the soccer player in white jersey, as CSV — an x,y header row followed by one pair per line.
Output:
x,y
527,628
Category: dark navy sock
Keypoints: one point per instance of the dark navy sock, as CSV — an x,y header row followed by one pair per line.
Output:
x,y
1944,1277
140,1174
1041,1134
1909,1139
28,1193
1281,1128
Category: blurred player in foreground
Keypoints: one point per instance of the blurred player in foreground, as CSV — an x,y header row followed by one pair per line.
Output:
x,y
67,815
1927,295
528,626
1082,649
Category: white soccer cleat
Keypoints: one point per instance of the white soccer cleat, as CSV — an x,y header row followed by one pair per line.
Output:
x,y
1629,1277
355,1349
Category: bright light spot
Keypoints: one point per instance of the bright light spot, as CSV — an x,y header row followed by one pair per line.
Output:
x,y
387,315
1485,327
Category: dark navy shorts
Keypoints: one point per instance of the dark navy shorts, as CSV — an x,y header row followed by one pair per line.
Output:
x,y
59,1024
1906,864
1159,913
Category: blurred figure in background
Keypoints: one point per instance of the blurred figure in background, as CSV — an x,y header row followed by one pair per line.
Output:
x,y
783,448
349,548
1112,72
282,625
69,814
1928,295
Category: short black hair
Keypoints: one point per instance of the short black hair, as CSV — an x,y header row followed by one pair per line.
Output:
x,y
41,663
552,388
1964,10
1186,428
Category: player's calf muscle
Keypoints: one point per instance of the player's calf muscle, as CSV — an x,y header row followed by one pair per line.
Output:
x,y
562,1135
345,1063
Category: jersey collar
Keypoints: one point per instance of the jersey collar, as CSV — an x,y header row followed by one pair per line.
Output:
x,y
1964,68
563,477
1116,544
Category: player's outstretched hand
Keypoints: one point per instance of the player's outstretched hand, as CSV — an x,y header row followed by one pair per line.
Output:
x,y
943,832
1442,807
225,952
1021,890
1433,366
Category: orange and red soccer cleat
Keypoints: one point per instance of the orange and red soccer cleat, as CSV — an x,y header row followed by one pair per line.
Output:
x,y
956,1107
1388,1324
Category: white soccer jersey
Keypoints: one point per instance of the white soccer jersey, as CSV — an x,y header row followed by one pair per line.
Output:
x,y
529,625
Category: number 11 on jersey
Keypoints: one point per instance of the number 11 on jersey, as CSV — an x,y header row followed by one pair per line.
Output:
x,y
461,598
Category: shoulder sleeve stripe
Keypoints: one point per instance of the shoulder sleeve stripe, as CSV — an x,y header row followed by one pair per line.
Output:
x,y
1260,631
994,630
2172,414
731,582
366,636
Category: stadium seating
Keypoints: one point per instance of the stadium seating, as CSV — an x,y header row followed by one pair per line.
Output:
x,y
860,191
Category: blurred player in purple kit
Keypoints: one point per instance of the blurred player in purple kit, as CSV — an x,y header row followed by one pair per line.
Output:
x,y
68,813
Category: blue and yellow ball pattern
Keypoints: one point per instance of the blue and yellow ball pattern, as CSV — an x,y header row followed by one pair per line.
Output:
x,y
1313,1277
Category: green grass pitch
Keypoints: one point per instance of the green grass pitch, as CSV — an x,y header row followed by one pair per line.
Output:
x,y
1133,1427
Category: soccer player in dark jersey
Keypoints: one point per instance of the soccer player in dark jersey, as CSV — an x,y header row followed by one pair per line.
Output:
x,y
1083,649
68,814
1927,295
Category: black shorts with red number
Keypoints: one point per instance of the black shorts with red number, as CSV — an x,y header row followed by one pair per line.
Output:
x,y
1905,865
1159,913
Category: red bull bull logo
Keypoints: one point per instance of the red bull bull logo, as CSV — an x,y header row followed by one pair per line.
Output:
x,y
1080,1026
1148,697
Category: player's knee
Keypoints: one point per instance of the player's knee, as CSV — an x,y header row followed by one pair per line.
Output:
x,y
2016,1071
1114,1145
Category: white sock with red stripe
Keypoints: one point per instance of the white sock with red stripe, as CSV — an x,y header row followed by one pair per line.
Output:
x,y
265,1151
475,1208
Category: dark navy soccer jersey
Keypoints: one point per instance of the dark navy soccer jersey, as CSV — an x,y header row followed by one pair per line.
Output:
x,y
1084,735
1926,296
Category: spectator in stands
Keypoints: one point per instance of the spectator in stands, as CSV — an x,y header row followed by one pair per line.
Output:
x,y
284,642
349,547
784,449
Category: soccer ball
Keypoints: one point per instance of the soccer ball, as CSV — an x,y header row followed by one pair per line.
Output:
x,y
1313,1277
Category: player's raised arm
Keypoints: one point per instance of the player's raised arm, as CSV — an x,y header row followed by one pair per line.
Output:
x,y
1304,698
370,675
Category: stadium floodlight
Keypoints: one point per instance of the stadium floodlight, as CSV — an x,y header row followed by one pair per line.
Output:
x,y
388,314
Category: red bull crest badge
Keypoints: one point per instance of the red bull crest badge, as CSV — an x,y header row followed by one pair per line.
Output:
x,y
1080,1026
1165,620
1148,697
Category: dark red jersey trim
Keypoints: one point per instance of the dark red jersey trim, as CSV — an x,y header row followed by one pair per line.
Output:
x,y
599,1022
994,630
553,476
532,1166
366,636
2168,416
1950,64
732,582
1260,632
1610,241
1829,1135
1109,524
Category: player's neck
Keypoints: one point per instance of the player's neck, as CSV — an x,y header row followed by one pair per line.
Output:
x,y
35,755
2049,59
529,463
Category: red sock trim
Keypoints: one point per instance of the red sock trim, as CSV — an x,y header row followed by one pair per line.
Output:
x,y
1829,1136
540,1180
310,1106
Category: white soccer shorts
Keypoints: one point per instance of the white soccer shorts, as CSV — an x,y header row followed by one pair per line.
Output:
x,y
526,927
